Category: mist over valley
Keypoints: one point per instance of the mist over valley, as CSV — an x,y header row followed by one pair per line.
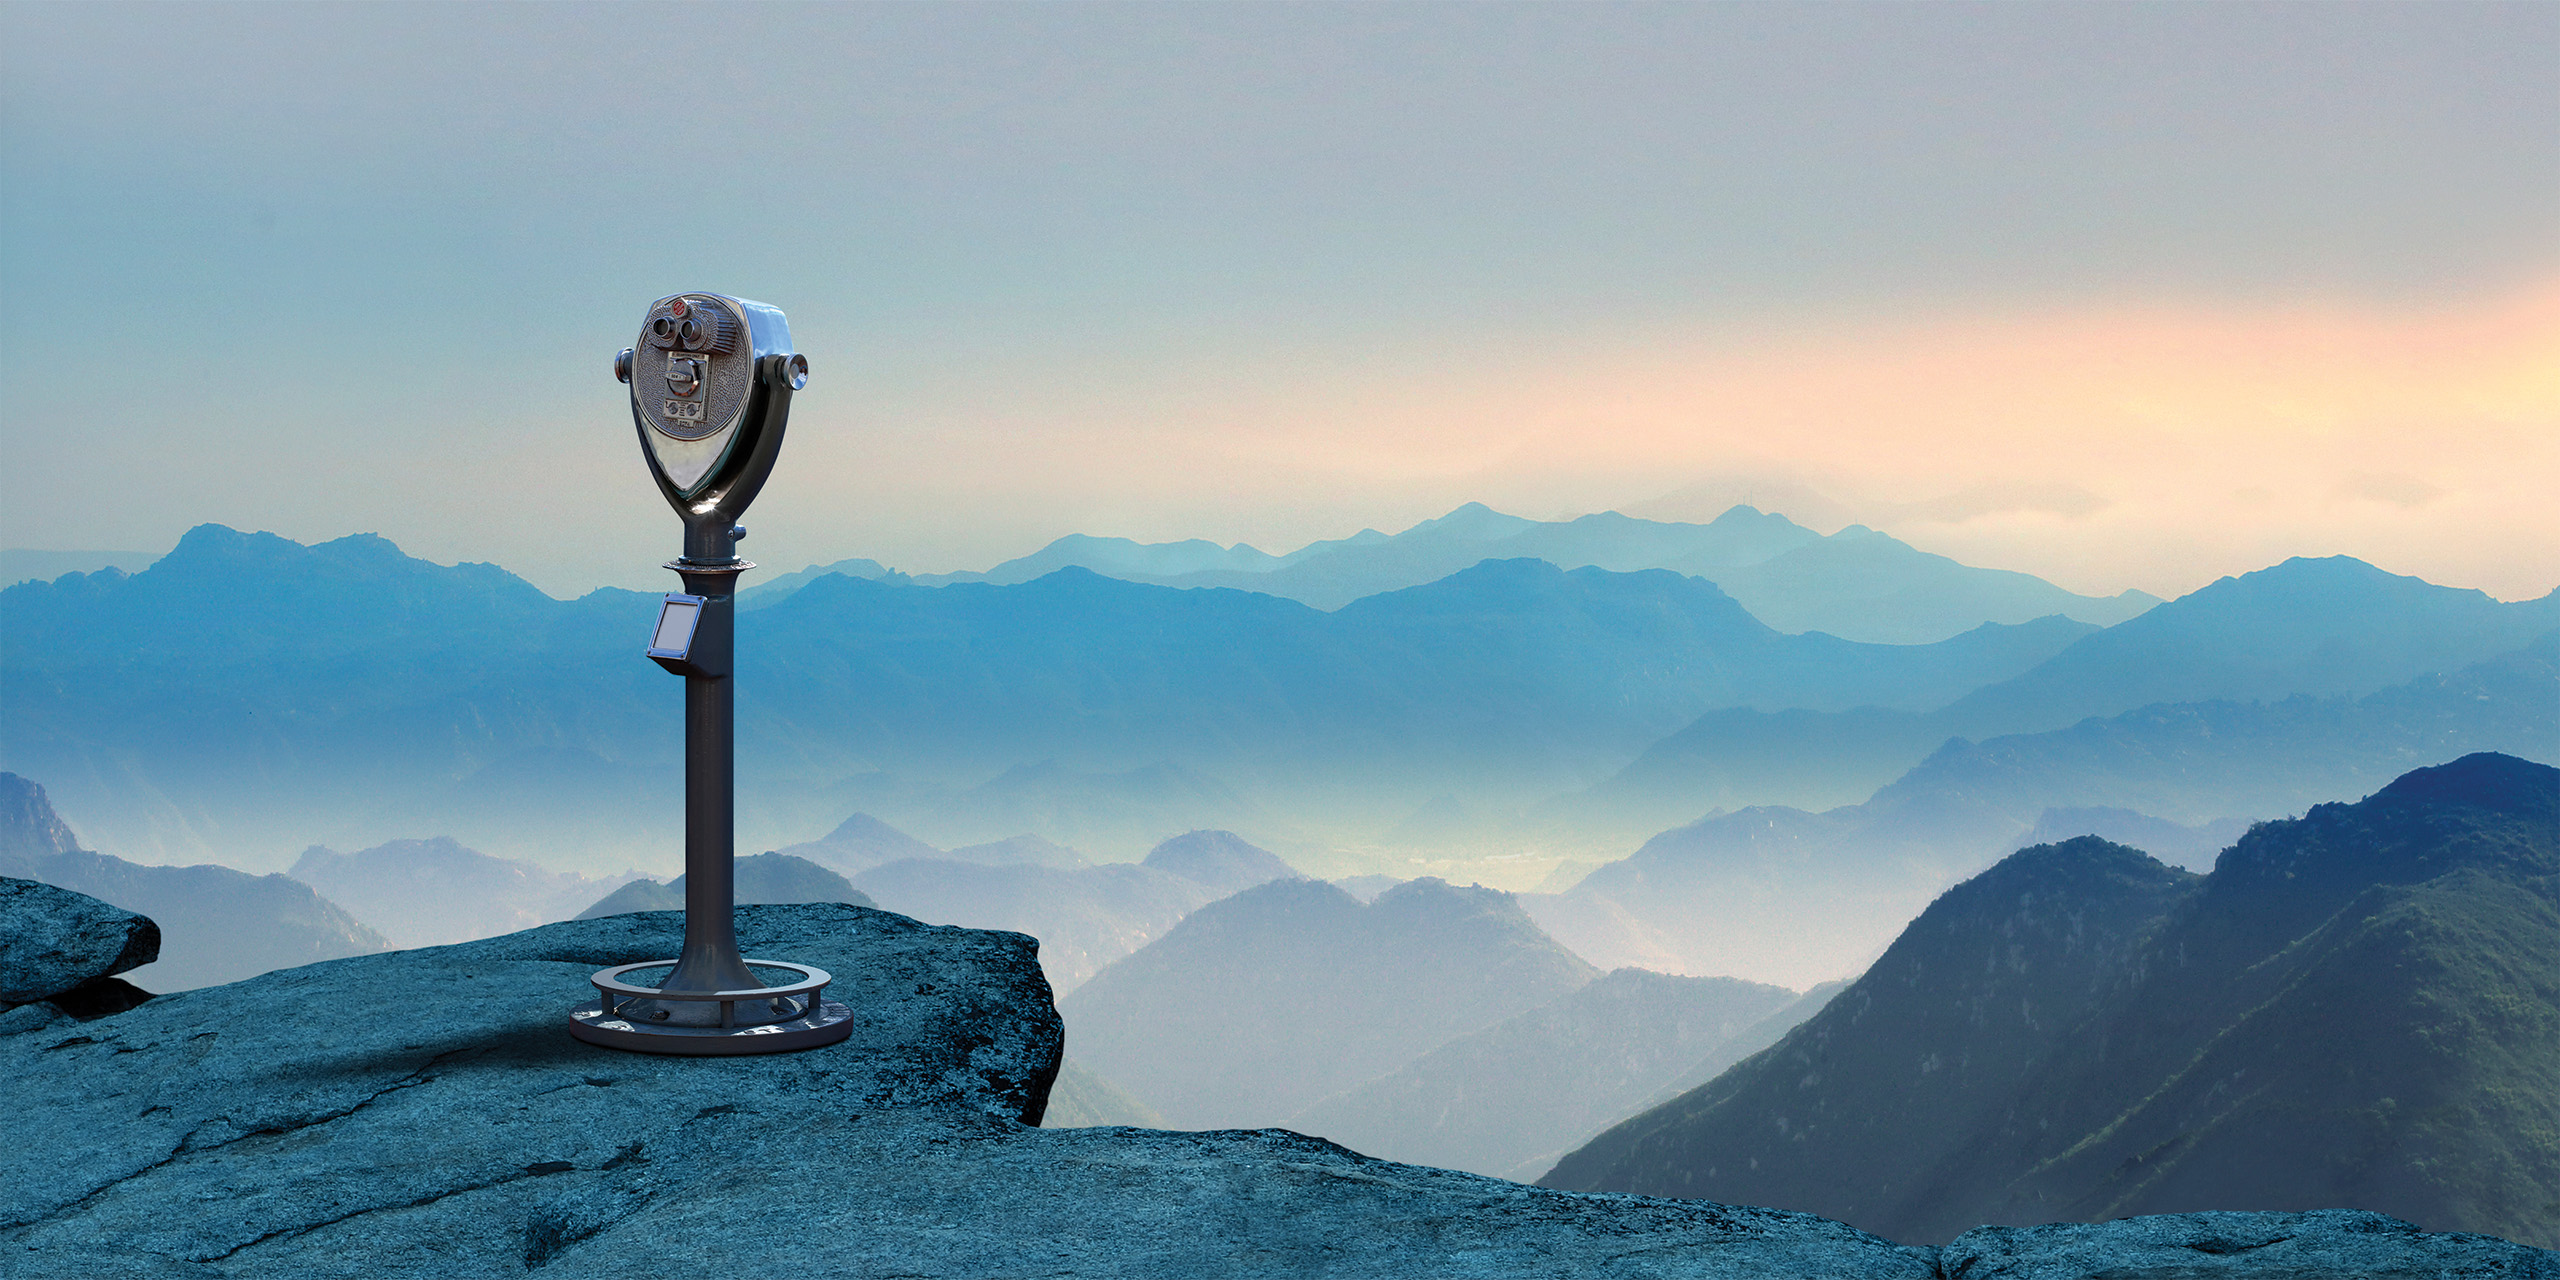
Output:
x,y
1515,869
1374,641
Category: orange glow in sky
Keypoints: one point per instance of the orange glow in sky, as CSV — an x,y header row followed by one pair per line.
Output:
x,y
2104,447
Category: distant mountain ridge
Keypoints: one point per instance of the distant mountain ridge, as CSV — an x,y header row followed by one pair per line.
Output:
x,y
773,590
755,878
2324,627
371,691
1794,896
26,564
1085,916
217,925
1857,584
368,690
860,843
1258,1005
422,893
1577,712
1219,861
2356,1008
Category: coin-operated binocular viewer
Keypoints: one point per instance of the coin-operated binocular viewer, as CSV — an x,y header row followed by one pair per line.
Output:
x,y
711,384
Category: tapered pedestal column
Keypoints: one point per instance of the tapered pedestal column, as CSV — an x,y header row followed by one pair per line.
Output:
x,y
710,1000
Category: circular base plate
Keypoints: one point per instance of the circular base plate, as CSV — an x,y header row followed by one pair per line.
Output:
x,y
832,1022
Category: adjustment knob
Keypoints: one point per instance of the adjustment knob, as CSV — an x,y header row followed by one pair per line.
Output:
x,y
622,366
708,329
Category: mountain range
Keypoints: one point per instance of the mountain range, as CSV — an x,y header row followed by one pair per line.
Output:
x,y
24,564
423,893
2356,1008
2322,628
1857,584
1510,670
372,694
1511,707
1791,896
259,1130
1084,916
217,925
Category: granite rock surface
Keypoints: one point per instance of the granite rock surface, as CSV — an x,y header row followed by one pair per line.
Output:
x,y
425,1113
52,940
2329,1244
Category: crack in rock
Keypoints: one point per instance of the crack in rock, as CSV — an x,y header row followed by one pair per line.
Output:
x,y
182,1149
296,1232
186,1144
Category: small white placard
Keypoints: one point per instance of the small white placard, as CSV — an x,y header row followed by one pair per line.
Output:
x,y
675,628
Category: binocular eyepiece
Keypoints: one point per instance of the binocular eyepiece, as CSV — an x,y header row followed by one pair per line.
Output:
x,y
680,325
711,381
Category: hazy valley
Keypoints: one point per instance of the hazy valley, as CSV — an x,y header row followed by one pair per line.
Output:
x,y
1243,824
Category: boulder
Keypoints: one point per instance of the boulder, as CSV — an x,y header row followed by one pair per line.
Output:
x,y
52,940
425,1113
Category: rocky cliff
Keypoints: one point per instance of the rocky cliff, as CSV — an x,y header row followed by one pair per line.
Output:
x,y
425,1113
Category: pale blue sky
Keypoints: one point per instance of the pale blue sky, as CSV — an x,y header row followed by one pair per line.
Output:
x,y
1246,272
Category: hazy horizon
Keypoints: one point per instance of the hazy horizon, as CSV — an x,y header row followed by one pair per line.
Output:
x,y
2113,776
2127,296
1682,507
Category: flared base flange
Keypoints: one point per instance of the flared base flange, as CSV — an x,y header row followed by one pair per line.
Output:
x,y
827,1024
699,1024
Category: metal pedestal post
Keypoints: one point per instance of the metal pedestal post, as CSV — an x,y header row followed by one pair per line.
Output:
x,y
711,961
711,1002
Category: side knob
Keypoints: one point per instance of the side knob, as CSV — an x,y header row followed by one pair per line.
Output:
x,y
622,366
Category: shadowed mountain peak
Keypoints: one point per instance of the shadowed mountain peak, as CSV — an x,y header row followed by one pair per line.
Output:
x,y
2358,1008
2483,780
1914,1057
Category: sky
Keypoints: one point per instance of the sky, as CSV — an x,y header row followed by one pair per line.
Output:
x,y
2124,295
